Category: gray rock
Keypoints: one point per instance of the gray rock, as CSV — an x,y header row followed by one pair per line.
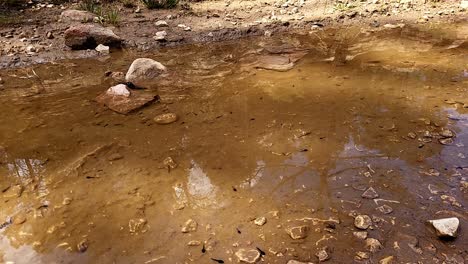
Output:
x,y
164,119
143,71
77,16
87,36
297,232
102,49
248,255
362,222
446,227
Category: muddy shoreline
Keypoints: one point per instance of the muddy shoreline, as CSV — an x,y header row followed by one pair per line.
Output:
x,y
209,24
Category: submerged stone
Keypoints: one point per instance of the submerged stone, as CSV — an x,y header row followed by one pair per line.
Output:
x,y
167,118
362,222
122,101
370,193
298,232
189,226
260,221
373,245
248,255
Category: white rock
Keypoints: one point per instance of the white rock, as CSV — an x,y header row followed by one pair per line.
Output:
x,y
260,221
464,4
143,70
446,227
160,35
184,27
119,90
102,49
161,23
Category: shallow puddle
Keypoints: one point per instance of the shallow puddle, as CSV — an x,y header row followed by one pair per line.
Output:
x,y
298,145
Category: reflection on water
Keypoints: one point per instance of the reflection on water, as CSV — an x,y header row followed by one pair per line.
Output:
x,y
295,147
202,192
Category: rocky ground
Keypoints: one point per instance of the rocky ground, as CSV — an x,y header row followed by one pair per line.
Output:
x,y
35,34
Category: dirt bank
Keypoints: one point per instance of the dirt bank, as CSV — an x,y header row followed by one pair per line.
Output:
x,y
35,34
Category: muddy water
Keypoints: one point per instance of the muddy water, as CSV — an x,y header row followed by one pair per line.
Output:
x,y
83,184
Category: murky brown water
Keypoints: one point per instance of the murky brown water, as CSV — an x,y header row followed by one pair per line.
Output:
x,y
297,147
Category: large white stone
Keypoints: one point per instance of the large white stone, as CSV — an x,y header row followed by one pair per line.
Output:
x,y
446,227
144,70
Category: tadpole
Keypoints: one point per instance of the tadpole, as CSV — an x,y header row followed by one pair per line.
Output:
x,y
218,260
262,253
238,231
203,250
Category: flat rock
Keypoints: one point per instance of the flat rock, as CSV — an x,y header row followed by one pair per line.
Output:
x,y
77,16
87,36
362,222
446,227
248,255
125,104
143,71
167,118
297,232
